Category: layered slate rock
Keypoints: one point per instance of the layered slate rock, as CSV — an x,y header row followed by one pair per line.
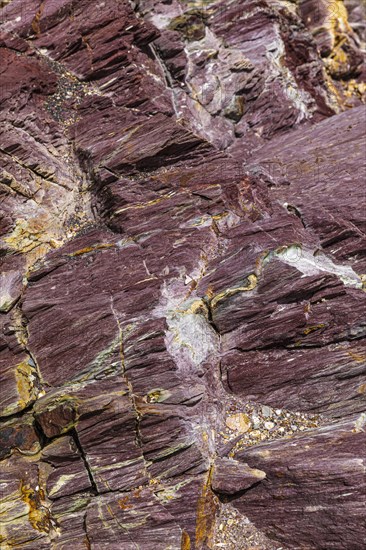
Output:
x,y
182,275
303,463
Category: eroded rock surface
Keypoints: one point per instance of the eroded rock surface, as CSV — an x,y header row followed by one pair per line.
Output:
x,y
183,275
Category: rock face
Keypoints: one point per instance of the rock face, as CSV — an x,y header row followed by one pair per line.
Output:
x,y
183,275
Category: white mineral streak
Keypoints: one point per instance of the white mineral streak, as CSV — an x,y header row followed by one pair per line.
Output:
x,y
360,423
310,263
301,100
190,339
7,280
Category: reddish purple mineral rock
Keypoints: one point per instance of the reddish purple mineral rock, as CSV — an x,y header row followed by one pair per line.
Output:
x,y
183,275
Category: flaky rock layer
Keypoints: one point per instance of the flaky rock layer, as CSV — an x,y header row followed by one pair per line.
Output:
x,y
183,275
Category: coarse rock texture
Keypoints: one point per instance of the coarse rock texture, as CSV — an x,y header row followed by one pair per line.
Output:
x,y
183,275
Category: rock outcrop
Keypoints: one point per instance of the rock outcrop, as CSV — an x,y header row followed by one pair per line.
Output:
x,y
183,275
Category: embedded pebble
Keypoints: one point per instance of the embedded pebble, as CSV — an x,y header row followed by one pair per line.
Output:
x,y
255,433
266,411
256,421
253,423
239,422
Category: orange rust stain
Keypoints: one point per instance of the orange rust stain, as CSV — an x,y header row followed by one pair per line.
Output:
x,y
313,328
356,357
24,384
186,541
206,514
35,23
38,514
210,292
91,249
123,503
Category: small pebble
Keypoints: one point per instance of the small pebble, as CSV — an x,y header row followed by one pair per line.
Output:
x,y
255,434
266,411
239,422
256,421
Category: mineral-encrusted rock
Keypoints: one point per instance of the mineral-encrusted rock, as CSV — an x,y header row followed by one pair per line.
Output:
x,y
183,275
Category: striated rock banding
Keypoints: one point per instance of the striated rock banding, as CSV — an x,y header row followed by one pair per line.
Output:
x,y
182,275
